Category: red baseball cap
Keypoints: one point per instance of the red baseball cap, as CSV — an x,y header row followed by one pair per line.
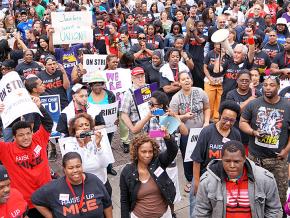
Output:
x,y
137,71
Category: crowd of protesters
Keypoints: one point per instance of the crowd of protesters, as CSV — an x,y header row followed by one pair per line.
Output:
x,y
235,87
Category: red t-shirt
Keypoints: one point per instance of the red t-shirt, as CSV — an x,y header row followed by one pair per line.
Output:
x,y
238,202
114,47
16,206
28,168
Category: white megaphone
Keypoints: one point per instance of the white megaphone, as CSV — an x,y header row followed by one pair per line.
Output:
x,y
221,37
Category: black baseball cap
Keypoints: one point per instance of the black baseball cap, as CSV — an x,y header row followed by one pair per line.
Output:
x,y
3,173
9,63
23,12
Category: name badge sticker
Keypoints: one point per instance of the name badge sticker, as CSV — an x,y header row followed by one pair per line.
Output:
x,y
225,140
63,197
158,171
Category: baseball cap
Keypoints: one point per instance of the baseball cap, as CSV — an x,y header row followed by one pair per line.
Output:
x,y
23,12
137,71
3,173
9,63
77,87
281,20
49,57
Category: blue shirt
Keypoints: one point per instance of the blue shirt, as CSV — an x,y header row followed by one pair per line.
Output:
x,y
23,26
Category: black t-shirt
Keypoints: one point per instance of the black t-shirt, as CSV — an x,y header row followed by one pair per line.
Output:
x,y
262,61
25,69
99,39
196,49
54,86
57,196
144,58
133,30
282,60
231,70
273,120
209,61
273,50
239,99
156,41
209,145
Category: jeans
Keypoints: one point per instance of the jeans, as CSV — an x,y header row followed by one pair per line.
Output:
x,y
192,200
187,166
7,135
214,93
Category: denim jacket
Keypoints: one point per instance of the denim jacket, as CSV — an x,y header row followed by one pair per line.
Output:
x,y
211,196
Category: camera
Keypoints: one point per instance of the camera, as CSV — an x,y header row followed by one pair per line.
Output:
x,y
86,134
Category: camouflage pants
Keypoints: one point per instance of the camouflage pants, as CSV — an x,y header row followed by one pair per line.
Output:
x,y
279,168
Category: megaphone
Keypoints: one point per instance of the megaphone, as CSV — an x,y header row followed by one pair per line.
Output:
x,y
220,35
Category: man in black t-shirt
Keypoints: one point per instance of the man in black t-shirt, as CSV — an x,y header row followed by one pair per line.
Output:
x,y
281,62
266,121
100,32
55,79
132,28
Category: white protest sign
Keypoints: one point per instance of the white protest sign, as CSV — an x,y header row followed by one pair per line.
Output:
x,y
118,81
109,112
72,27
191,143
16,99
93,63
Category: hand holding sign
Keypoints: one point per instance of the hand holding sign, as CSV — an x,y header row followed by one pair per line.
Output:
x,y
2,107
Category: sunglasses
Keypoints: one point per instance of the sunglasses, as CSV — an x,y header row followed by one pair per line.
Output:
x,y
270,76
141,38
45,14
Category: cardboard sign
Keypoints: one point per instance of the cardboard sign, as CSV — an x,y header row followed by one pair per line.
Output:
x,y
52,104
109,112
72,27
191,143
142,96
16,99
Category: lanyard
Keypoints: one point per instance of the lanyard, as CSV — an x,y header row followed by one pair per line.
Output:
x,y
80,205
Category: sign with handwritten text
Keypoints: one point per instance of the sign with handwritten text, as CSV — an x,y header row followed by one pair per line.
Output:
x,y
191,143
72,27
93,63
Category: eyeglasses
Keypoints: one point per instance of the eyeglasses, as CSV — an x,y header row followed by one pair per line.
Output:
x,y
141,38
226,119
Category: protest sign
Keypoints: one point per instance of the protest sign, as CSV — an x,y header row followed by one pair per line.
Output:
x,y
70,144
52,105
191,143
16,99
93,63
118,81
109,112
142,96
72,27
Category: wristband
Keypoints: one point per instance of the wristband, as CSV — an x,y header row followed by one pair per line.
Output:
x,y
251,41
